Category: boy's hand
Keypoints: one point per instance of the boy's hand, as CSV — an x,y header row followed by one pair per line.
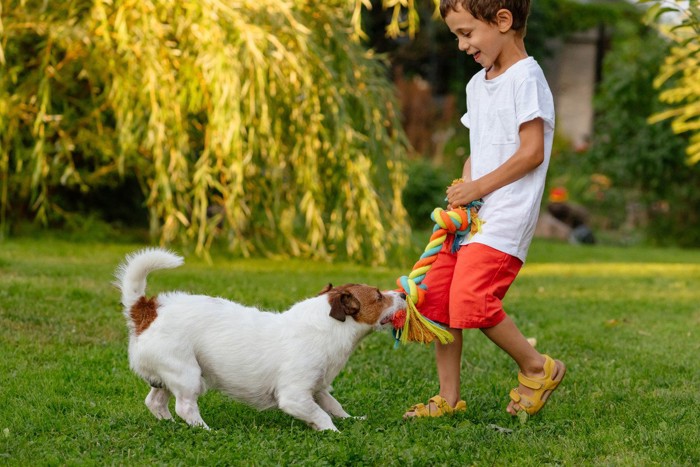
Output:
x,y
462,193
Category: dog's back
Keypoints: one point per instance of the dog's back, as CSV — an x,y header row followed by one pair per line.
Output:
x,y
239,349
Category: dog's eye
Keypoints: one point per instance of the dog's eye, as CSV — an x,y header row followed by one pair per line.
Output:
x,y
380,297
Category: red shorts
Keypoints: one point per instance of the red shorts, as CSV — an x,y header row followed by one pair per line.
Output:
x,y
465,289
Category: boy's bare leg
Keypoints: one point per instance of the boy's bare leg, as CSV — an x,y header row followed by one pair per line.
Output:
x,y
449,360
508,337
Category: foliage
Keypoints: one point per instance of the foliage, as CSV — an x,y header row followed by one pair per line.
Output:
x,y
644,161
405,16
425,191
69,397
432,52
546,16
259,123
682,68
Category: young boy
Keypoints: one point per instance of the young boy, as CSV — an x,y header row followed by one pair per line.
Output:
x,y
510,115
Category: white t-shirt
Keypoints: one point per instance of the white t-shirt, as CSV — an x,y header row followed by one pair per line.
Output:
x,y
495,110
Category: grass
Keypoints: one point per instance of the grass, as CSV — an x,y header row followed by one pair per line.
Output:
x,y
626,322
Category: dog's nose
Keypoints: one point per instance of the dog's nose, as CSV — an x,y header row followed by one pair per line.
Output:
x,y
402,295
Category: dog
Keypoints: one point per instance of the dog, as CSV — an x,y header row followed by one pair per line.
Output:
x,y
184,344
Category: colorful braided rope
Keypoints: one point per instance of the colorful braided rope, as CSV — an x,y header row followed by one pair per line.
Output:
x,y
457,222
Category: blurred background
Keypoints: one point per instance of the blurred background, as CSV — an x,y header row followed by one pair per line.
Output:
x,y
329,130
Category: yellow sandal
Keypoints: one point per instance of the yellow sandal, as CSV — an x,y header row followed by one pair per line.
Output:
x,y
441,408
542,387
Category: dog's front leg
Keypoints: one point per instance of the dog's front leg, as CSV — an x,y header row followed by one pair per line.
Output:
x,y
330,404
303,407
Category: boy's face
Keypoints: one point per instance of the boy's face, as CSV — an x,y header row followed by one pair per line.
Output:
x,y
483,41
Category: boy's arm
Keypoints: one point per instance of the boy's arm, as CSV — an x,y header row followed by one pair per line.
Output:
x,y
527,158
467,170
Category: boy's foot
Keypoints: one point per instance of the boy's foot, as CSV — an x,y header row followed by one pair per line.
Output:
x,y
437,407
533,391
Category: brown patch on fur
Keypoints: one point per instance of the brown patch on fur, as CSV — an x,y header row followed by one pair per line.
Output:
x,y
364,303
143,313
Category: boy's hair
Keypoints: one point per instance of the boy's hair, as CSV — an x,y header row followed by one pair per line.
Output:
x,y
485,10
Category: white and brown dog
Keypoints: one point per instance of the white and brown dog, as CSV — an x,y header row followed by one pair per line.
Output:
x,y
183,344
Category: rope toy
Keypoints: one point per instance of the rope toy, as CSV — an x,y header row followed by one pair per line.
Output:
x,y
410,325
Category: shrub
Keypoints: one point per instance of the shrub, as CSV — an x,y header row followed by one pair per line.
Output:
x,y
424,191
647,161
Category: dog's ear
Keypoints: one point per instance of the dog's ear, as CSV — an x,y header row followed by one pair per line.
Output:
x,y
343,304
350,303
337,312
326,289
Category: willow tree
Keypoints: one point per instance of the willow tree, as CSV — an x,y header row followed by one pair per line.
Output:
x,y
681,69
257,122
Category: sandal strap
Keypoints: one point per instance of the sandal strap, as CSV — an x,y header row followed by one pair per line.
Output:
x,y
527,403
515,395
420,409
441,404
529,382
544,382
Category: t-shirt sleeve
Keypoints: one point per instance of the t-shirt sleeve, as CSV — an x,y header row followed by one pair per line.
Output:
x,y
465,118
534,100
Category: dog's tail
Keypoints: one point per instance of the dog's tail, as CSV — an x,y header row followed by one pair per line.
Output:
x,y
131,274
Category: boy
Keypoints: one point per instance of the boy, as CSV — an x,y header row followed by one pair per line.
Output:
x,y
510,114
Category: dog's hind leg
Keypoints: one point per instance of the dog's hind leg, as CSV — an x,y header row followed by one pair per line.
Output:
x,y
186,407
330,404
187,388
157,402
303,407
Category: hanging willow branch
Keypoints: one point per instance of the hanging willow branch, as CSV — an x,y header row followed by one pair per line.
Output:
x,y
682,70
258,122
405,20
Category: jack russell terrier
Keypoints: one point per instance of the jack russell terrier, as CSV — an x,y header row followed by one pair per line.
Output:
x,y
184,344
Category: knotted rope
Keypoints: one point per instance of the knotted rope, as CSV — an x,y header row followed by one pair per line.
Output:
x,y
413,326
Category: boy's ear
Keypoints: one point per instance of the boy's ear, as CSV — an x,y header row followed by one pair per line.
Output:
x,y
504,20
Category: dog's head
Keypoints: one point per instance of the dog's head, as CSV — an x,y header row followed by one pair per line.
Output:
x,y
363,303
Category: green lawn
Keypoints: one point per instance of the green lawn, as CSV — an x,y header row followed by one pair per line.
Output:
x,y
626,322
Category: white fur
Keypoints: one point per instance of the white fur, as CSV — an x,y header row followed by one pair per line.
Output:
x,y
131,274
286,360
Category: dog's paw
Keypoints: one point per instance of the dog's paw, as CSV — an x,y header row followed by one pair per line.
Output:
x,y
330,427
199,424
